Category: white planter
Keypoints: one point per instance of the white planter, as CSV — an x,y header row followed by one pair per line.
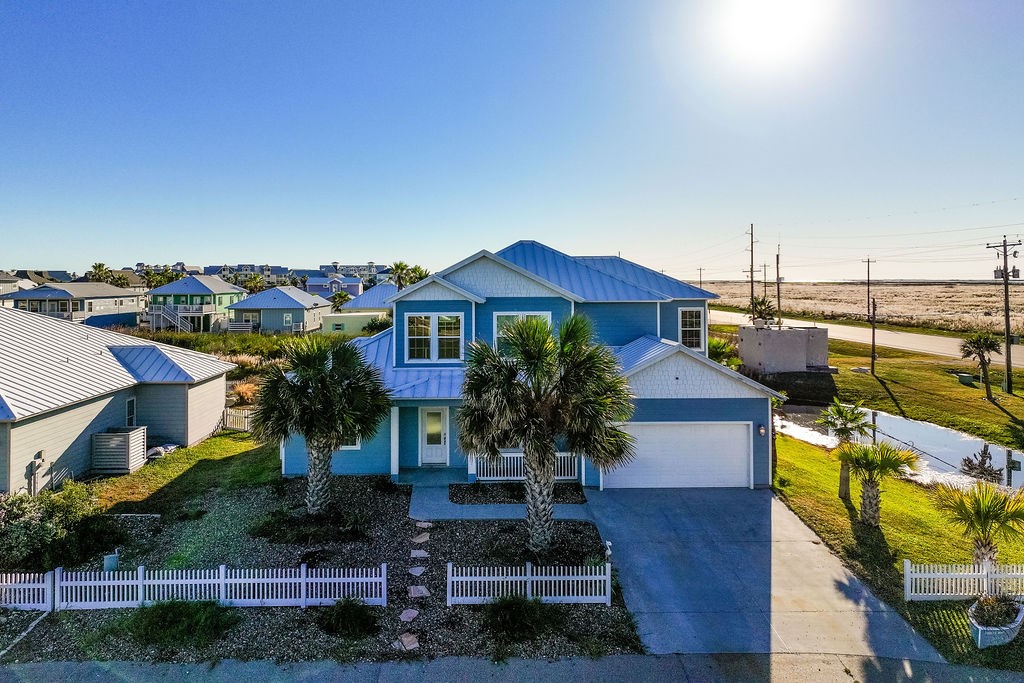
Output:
x,y
988,636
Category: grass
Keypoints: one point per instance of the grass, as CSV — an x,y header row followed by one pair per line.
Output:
x,y
913,385
851,321
228,460
807,480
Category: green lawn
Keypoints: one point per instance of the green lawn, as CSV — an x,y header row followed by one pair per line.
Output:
x,y
807,479
229,460
853,322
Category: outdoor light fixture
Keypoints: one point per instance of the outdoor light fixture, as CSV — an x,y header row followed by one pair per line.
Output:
x,y
761,430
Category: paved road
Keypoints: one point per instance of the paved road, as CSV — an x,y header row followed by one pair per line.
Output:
x,y
734,570
908,341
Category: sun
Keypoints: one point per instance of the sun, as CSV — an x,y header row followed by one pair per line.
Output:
x,y
766,36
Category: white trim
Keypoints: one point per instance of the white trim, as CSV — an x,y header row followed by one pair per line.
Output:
x,y
657,308
750,439
518,314
434,360
472,324
422,433
394,440
356,447
483,253
464,293
703,328
133,412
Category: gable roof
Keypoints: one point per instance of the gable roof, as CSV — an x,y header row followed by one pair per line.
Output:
x,y
374,297
47,363
436,279
73,290
409,383
197,284
287,297
647,350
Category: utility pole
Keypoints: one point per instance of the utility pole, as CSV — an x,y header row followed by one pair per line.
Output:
x,y
1003,249
764,279
869,262
778,287
751,270
873,318
700,278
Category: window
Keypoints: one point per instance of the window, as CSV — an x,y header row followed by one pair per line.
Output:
x,y
129,412
338,327
286,319
433,337
252,317
350,444
501,320
691,328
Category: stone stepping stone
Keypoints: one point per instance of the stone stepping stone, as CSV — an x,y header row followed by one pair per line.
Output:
x,y
422,538
424,525
417,553
418,592
417,571
408,615
408,641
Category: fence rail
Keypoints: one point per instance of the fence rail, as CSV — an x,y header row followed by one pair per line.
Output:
x,y
237,420
478,585
961,581
512,467
270,587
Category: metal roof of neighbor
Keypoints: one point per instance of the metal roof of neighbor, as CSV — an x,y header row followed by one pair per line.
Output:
x,y
322,280
73,290
197,284
410,383
287,297
47,363
651,279
373,298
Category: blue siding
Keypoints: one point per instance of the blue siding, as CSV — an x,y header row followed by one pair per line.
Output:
x,y
408,437
113,320
272,319
558,307
670,317
755,410
373,456
405,307
617,324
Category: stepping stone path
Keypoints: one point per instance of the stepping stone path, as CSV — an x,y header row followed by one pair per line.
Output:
x,y
422,538
417,571
419,554
418,592
407,641
408,615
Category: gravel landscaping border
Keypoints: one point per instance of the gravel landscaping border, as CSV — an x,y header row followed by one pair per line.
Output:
x,y
479,493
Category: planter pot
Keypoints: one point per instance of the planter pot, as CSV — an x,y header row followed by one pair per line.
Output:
x,y
988,636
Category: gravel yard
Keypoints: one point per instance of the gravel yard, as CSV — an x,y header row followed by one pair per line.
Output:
x,y
510,492
215,528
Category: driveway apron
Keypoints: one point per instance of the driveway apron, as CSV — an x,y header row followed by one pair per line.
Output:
x,y
734,570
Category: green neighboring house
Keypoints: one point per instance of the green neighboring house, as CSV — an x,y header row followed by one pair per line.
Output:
x,y
197,303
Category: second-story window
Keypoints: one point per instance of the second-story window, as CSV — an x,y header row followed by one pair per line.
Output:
x,y
433,336
502,320
691,328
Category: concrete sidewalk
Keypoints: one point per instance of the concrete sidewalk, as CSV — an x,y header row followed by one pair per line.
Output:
x,y
430,502
741,668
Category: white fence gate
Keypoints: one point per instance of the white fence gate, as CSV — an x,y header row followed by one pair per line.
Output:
x,y
477,585
512,467
961,581
237,419
272,587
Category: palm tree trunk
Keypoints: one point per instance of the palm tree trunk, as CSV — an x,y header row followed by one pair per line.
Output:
x,y
540,500
985,551
870,503
844,481
318,482
984,379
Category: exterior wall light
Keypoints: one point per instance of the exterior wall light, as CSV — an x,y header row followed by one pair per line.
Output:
x,y
761,430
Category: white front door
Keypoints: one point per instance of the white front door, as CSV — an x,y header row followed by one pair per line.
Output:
x,y
433,436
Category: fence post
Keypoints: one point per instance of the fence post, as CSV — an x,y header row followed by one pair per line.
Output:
x,y
302,583
448,581
986,569
384,583
906,580
58,575
222,585
529,580
608,583
141,573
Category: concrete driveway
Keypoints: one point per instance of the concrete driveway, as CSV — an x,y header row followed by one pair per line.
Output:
x,y
733,570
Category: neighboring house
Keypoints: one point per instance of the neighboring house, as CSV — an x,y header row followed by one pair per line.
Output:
x,y
273,275
195,303
325,286
8,283
697,423
136,283
93,303
281,309
60,385
42,277
357,312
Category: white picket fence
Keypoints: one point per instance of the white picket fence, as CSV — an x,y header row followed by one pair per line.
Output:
x,y
961,581
270,587
237,419
512,467
478,585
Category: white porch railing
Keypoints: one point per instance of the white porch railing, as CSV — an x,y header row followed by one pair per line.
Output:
x,y
512,467
241,326
237,419
194,309
169,318
477,585
961,581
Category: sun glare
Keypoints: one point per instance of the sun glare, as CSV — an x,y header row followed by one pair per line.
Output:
x,y
773,35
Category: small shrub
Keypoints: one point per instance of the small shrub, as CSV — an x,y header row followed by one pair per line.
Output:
x,y
181,624
246,392
24,530
517,619
995,610
384,485
281,526
348,618
378,325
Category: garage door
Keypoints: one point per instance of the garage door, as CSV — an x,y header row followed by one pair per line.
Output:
x,y
673,455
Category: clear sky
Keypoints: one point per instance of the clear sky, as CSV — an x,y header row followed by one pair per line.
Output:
x,y
299,133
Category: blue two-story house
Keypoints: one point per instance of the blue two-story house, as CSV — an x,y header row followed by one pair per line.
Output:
x,y
697,423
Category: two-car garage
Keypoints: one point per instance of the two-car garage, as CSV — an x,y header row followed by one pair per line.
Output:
x,y
686,455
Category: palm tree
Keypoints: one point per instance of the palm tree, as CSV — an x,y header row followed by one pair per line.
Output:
x,y
981,346
873,463
120,279
984,512
763,308
253,283
417,273
98,273
339,299
400,274
722,351
539,389
151,278
326,393
846,423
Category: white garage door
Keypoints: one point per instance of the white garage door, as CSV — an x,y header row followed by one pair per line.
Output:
x,y
674,455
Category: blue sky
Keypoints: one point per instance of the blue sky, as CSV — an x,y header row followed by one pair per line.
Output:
x,y
299,133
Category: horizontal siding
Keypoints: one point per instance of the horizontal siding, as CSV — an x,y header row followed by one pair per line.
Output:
x,y
670,317
404,307
162,408
558,307
205,408
66,437
408,437
372,457
617,324
5,457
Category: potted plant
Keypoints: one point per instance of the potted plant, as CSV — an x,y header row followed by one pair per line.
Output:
x,y
995,620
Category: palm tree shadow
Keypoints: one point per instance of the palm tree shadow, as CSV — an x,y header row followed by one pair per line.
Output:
x,y
876,557
892,396
1015,427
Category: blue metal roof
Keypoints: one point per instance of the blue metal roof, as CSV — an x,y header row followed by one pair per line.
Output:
x,y
197,284
321,281
645,277
641,351
591,284
281,298
150,364
374,297
307,272
410,383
